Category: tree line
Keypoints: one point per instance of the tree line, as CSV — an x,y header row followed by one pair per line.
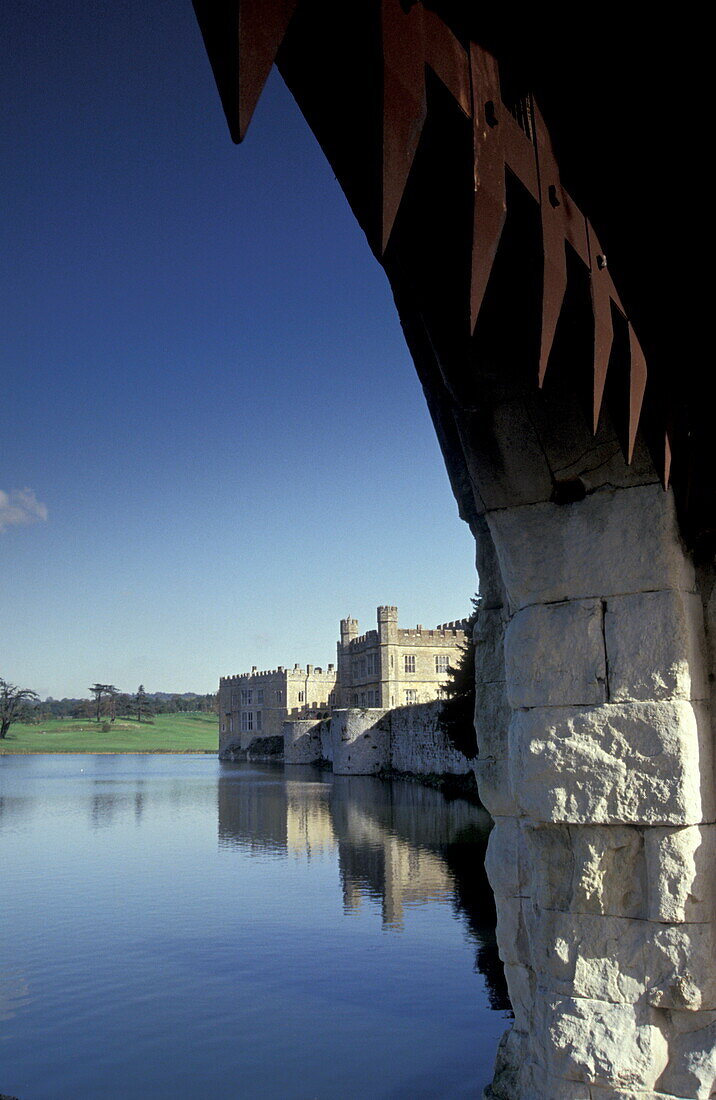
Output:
x,y
106,702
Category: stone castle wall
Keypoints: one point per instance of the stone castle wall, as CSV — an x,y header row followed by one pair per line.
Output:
x,y
419,746
368,741
273,695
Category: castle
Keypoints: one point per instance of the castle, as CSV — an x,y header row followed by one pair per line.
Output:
x,y
387,667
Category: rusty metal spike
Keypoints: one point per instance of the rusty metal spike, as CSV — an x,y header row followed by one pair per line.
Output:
x,y
667,459
554,280
261,30
562,222
637,386
603,340
448,59
404,103
603,294
490,199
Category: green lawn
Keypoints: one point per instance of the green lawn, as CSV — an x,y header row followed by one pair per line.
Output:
x,y
169,733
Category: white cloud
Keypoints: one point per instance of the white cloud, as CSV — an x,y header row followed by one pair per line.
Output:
x,y
20,507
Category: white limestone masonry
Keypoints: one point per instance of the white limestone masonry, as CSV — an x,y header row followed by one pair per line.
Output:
x,y
596,761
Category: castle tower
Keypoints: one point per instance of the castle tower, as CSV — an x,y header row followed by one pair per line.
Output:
x,y
388,639
388,624
349,631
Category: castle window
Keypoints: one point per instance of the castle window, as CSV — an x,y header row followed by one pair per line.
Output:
x,y
258,720
260,695
392,662
362,698
246,697
411,697
410,662
279,696
300,696
442,662
247,721
231,724
234,700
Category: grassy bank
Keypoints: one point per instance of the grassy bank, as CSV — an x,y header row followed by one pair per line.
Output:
x,y
168,733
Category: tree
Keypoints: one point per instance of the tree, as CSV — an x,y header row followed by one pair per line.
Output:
x,y
141,703
457,716
12,700
111,692
99,691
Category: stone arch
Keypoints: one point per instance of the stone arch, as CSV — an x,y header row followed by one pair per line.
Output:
x,y
594,679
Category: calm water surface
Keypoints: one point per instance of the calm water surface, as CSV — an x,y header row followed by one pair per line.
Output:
x,y
177,927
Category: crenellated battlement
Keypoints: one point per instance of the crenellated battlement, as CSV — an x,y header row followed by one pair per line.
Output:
x,y
369,638
315,671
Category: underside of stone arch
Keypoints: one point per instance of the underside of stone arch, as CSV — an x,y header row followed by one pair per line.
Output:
x,y
512,184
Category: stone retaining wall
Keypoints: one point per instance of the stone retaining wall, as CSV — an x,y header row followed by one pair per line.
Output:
x,y
367,741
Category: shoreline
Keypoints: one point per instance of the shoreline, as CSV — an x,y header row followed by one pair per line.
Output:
x,y
113,752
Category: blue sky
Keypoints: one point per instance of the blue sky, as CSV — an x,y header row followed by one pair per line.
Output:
x,y
213,443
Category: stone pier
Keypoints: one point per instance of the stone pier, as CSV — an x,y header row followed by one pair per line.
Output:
x,y
596,762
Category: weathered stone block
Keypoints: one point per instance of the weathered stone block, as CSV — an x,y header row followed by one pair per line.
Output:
x,y
692,1048
505,862
621,764
548,865
682,965
554,655
621,960
510,1061
597,1092
598,869
681,872
618,1046
656,646
610,543
493,786
511,932
492,719
488,636
538,1084
600,958
521,986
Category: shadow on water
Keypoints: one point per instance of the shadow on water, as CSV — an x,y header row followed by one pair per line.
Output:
x,y
399,844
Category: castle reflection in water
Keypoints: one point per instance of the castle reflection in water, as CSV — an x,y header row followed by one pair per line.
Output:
x,y
399,844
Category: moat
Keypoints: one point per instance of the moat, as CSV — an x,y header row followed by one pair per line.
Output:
x,y
179,927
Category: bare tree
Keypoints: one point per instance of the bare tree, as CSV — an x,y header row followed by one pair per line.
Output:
x,y
12,700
